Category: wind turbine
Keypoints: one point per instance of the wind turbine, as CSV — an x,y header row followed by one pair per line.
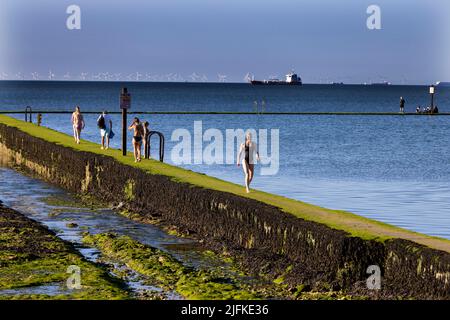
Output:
x,y
169,77
138,76
148,77
35,76
404,80
19,75
106,76
96,77
83,75
51,75
222,77
194,76
178,77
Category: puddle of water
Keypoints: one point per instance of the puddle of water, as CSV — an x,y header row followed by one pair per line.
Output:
x,y
137,284
50,289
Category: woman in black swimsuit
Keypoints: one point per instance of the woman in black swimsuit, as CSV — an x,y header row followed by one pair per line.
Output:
x,y
248,164
137,138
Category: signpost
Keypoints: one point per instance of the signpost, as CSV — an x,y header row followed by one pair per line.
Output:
x,y
125,104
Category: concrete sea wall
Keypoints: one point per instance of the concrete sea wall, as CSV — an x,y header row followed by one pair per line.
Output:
x,y
292,250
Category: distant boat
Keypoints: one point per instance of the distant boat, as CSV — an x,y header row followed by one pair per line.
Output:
x,y
337,83
291,79
443,84
384,83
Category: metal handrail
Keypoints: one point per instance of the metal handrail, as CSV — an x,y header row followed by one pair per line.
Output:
x,y
161,145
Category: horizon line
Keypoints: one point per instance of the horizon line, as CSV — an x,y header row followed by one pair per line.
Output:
x,y
375,84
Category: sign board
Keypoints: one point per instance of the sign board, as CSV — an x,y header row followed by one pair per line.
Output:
x,y
431,90
125,101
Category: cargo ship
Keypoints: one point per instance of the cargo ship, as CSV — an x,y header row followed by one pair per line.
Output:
x,y
291,79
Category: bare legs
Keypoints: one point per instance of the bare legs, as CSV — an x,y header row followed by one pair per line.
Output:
x,y
137,151
248,170
76,134
107,142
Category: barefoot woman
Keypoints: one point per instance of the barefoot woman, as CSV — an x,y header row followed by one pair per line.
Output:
x,y
248,163
137,138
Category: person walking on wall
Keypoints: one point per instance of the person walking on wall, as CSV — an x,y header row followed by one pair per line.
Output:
x,y
249,149
104,123
77,124
402,105
137,138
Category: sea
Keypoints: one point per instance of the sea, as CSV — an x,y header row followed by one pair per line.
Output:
x,y
392,168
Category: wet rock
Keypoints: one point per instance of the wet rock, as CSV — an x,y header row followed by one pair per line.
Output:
x,y
71,225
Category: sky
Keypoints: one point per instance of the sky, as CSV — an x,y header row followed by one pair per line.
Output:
x,y
223,40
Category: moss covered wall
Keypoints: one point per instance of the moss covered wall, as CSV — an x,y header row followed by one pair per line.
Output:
x,y
269,240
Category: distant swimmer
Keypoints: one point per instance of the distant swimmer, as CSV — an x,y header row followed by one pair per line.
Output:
x,y
402,105
249,149
77,124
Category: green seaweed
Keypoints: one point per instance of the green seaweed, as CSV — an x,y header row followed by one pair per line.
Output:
x,y
71,225
128,190
75,202
31,255
168,272
163,270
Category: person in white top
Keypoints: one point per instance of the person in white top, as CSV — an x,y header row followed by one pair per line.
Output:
x,y
104,123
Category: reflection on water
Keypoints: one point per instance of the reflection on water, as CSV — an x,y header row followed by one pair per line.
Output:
x,y
419,206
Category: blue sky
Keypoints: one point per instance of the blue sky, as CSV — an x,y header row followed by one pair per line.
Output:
x,y
323,40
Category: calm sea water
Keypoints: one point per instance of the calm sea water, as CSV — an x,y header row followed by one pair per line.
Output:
x,y
215,97
394,169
